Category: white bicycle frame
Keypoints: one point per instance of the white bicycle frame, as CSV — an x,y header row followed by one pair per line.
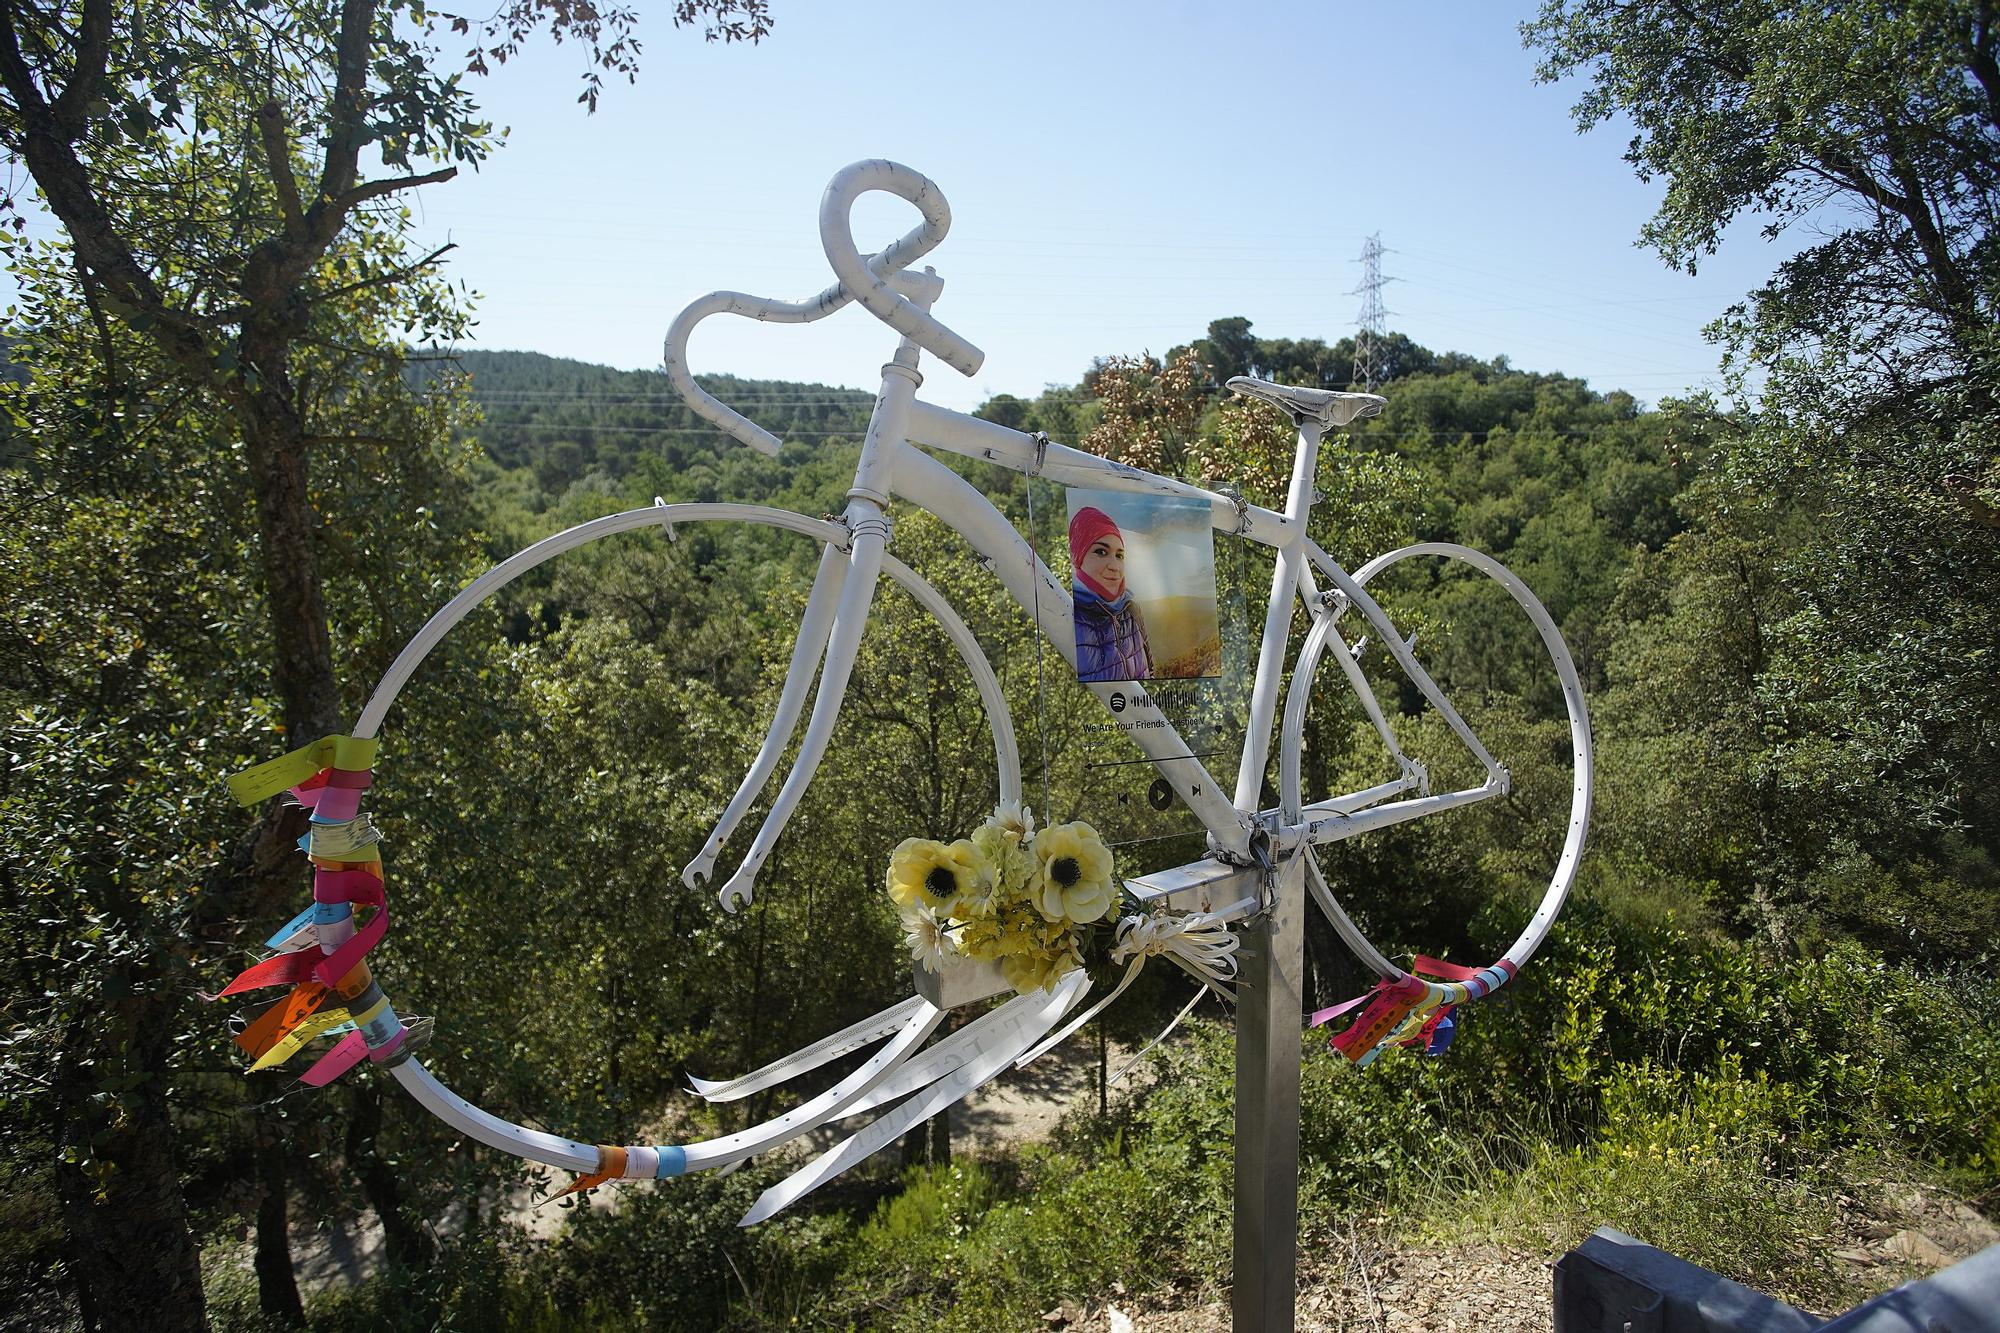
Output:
x,y
1260,866
1240,832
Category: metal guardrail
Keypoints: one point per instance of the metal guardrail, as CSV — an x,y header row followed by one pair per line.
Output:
x,y
1613,1283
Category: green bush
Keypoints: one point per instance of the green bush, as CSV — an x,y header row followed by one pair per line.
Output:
x,y
990,1247
1685,1089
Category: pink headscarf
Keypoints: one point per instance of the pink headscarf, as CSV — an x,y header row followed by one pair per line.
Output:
x,y
1085,527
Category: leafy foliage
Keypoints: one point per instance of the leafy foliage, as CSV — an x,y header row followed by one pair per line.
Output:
x,y
1864,485
206,308
1777,963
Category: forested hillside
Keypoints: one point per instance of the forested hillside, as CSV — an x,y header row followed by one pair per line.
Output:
x,y
234,492
560,421
555,773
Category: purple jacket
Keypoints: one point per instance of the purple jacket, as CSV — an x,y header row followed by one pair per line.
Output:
x,y
1110,638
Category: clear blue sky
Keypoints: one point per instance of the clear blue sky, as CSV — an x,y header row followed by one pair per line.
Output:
x,y
1118,178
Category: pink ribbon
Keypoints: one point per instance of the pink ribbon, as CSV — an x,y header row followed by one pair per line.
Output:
x,y
347,886
344,959
346,1054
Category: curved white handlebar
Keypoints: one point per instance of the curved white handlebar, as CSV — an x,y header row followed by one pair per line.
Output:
x,y
836,237
874,280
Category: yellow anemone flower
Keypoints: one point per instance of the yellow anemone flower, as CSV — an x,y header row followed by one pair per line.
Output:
x,y
925,871
1072,879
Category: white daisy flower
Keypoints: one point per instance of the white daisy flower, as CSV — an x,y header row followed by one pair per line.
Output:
x,y
929,943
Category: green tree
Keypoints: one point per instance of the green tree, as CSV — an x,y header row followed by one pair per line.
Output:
x,y
1877,126
130,675
1228,348
210,168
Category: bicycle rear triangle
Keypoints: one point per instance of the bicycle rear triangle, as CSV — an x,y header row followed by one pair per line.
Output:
x,y
1252,885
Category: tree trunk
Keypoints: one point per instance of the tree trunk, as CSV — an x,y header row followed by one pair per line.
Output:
x,y
940,1124
125,1227
1103,1071
408,1244
301,645
941,1138
277,1287
135,1261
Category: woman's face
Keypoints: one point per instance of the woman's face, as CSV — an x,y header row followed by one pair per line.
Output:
x,y
1105,563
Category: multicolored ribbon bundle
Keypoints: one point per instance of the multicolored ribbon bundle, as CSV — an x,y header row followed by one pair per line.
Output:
x,y
320,952
1412,1011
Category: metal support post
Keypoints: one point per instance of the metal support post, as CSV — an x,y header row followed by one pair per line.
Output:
x,y
1268,1008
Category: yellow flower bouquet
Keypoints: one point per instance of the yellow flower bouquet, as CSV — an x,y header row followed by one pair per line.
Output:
x,y
1029,900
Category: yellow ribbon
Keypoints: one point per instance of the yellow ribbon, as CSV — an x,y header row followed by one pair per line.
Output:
x,y
372,863
287,771
290,1044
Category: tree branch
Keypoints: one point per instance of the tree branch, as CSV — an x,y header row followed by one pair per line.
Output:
x,y
1926,226
344,119
1980,60
93,49
394,358
1841,173
367,190
106,349
278,153
49,151
394,275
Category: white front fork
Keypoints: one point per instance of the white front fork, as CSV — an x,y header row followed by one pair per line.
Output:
x,y
869,529
813,630
864,564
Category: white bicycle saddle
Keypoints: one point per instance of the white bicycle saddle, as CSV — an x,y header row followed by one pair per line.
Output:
x,y
1322,405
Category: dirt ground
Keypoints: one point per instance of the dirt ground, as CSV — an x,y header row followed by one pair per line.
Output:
x,y
1360,1280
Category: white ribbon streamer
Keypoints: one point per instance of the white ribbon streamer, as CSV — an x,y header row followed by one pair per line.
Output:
x,y
1070,1028
948,1054
886,1130
1133,1063
850,1038
1199,942
829,1105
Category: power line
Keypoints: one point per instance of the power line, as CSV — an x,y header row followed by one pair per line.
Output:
x,y
1367,435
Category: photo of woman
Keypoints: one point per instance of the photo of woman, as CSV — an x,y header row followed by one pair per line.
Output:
x,y
1110,630
1143,587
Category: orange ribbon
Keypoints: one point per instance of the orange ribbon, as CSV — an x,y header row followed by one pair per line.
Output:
x,y
610,1166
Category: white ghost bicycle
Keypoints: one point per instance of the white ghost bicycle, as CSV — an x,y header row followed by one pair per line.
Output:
x,y
1242,879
